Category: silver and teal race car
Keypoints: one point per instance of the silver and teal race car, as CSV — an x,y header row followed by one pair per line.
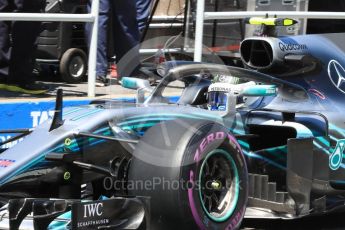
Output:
x,y
194,152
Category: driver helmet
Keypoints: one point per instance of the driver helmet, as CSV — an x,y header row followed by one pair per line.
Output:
x,y
218,93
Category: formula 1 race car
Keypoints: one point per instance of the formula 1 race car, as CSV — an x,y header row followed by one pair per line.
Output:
x,y
270,146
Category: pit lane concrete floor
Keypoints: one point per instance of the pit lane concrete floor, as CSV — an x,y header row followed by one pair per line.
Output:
x,y
79,91
71,91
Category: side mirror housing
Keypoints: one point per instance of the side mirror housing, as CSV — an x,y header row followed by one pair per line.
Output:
x,y
140,85
134,83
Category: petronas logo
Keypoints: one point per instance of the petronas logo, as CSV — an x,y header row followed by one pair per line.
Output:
x,y
336,157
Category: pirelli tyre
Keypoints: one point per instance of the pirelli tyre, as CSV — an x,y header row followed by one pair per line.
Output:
x,y
195,174
73,65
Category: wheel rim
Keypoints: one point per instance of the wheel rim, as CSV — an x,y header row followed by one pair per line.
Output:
x,y
219,185
76,67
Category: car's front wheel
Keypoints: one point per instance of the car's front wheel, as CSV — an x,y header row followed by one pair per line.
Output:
x,y
195,174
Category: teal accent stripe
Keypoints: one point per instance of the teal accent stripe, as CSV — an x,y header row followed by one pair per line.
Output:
x,y
322,148
282,148
237,131
73,111
177,115
244,144
323,141
278,152
254,155
339,181
336,128
333,138
141,125
245,150
86,114
144,120
103,129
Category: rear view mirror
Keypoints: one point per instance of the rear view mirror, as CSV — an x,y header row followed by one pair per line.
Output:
x,y
260,91
140,85
134,83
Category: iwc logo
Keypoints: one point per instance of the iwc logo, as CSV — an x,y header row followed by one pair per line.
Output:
x,y
336,73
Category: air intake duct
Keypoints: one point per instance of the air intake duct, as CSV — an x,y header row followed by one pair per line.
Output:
x,y
273,55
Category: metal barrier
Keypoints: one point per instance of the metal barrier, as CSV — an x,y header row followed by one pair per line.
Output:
x,y
49,17
201,16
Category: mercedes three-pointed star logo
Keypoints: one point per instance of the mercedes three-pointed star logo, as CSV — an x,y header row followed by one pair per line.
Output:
x,y
336,73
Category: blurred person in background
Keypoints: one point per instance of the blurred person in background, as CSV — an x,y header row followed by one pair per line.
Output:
x,y
17,48
125,19
122,14
143,13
